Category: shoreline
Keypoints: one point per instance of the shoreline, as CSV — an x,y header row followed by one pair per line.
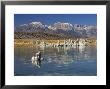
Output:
x,y
55,43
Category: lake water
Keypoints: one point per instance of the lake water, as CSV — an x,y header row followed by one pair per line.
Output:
x,y
57,61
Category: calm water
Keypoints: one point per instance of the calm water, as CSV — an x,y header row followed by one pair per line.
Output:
x,y
59,61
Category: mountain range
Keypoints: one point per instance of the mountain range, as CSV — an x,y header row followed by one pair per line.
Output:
x,y
58,30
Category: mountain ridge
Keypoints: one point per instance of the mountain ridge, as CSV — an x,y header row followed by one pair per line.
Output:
x,y
67,30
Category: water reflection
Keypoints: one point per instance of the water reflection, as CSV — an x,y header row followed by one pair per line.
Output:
x,y
54,57
59,55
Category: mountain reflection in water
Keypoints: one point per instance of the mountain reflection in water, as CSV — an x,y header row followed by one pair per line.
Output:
x,y
77,60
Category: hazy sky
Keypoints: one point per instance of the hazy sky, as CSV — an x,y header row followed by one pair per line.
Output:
x,y
88,19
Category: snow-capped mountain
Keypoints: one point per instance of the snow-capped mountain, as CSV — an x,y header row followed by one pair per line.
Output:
x,y
59,28
33,26
85,31
63,26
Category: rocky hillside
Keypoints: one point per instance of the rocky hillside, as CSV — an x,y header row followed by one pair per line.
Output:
x,y
55,31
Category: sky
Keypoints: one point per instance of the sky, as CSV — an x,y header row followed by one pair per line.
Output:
x,y
49,19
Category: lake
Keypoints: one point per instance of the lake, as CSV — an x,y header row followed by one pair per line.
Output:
x,y
56,61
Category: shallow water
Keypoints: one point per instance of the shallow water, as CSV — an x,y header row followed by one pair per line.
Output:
x,y
57,61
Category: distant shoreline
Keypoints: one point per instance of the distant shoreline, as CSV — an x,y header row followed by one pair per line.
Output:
x,y
55,43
